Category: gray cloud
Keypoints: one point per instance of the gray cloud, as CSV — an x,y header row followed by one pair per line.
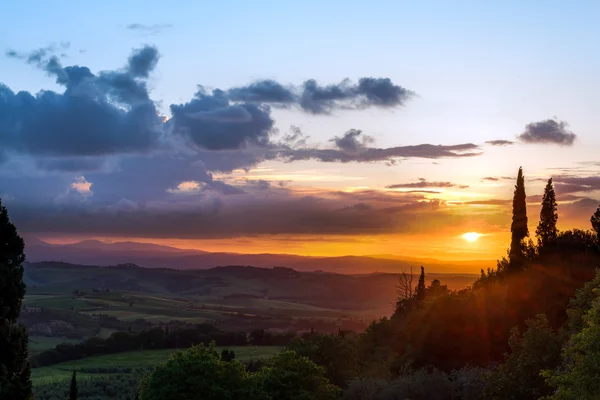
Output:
x,y
352,147
266,91
496,178
211,217
370,92
317,99
210,122
97,115
423,183
549,131
149,29
78,164
143,61
500,142
353,141
575,184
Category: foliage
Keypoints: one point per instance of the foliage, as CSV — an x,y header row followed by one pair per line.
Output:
x,y
337,354
74,387
577,377
14,368
595,220
156,338
519,377
293,377
463,384
107,387
518,228
421,286
580,304
199,373
227,355
546,231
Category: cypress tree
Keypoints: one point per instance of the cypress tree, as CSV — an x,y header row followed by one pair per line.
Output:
x,y
73,391
546,230
595,220
15,382
421,286
518,228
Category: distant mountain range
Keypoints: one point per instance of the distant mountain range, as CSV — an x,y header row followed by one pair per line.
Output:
x,y
94,252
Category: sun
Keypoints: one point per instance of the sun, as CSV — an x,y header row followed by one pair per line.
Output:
x,y
471,236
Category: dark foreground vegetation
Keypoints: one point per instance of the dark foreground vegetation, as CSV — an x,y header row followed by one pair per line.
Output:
x,y
528,329
158,338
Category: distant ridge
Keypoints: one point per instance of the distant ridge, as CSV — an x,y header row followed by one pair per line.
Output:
x,y
148,255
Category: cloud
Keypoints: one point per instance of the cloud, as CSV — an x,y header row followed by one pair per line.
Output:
x,y
282,212
576,184
82,186
369,92
500,142
210,122
353,141
423,183
149,29
497,178
97,115
78,164
143,61
316,99
96,157
549,131
352,147
186,187
266,91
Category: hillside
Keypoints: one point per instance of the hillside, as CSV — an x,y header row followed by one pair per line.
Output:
x,y
92,252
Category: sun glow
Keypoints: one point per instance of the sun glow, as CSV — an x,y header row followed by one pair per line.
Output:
x,y
471,236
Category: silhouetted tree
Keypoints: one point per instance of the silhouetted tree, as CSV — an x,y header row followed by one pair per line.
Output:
x,y
406,292
15,382
73,391
518,227
595,220
227,355
546,230
421,286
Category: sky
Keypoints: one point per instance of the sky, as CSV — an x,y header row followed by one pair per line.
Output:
x,y
314,128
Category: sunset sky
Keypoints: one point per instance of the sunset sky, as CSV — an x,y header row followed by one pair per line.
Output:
x,y
314,127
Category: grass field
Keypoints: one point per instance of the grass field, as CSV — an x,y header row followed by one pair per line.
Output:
x,y
132,359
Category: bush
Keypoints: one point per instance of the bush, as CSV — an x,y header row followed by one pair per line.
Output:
x,y
463,384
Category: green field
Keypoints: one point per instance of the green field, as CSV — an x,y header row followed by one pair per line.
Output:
x,y
132,359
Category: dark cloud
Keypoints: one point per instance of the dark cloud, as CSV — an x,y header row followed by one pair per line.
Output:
x,y
352,141
266,91
98,159
78,164
423,183
317,99
575,184
242,215
97,115
500,142
579,211
143,61
149,29
549,131
210,122
369,92
352,147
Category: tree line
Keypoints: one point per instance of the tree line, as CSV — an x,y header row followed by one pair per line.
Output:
x,y
158,338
